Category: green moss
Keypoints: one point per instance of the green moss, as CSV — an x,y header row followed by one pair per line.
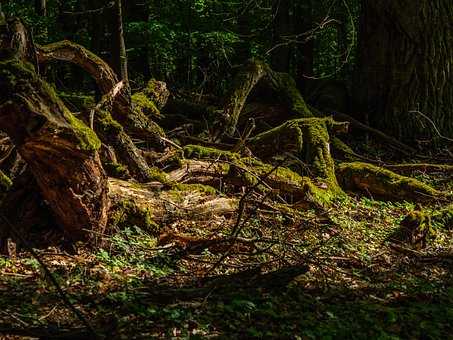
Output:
x,y
106,123
20,78
181,189
116,170
88,140
145,105
140,120
151,87
127,214
203,152
319,196
383,182
160,176
5,182
286,87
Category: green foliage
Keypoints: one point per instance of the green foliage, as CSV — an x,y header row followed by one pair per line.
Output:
x,y
195,43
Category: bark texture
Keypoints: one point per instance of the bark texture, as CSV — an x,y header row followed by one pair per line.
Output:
x,y
406,64
60,150
134,121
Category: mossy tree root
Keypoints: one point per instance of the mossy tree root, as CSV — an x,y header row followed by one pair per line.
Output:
x,y
254,72
306,138
132,117
216,167
383,183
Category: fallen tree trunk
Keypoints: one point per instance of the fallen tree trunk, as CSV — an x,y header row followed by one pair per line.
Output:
x,y
147,207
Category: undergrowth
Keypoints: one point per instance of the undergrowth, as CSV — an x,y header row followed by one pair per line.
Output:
x,y
360,281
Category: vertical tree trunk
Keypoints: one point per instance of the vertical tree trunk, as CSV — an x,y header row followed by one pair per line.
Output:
x,y
41,7
119,56
282,28
406,65
305,51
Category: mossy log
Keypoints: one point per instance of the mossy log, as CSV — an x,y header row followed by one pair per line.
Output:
x,y
223,167
421,167
112,134
60,150
383,183
149,207
124,111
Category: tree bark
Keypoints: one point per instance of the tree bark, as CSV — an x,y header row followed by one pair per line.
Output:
x,y
119,56
60,150
405,66
134,122
282,27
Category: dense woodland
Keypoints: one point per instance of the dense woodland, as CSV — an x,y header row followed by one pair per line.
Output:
x,y
232,169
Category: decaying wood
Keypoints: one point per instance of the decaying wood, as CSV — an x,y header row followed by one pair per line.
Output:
x,y
60,151
156,207
113,134
123,111
382,183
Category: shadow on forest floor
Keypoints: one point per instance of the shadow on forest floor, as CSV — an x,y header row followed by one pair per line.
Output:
x,y
337,276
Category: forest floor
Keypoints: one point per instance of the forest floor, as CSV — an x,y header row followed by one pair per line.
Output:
x,y
336,274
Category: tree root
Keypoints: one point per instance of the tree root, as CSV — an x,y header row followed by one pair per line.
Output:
x,y
384,183
425,168
254,72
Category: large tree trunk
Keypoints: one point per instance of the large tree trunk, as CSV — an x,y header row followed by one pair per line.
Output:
x,y
61,152
406,66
